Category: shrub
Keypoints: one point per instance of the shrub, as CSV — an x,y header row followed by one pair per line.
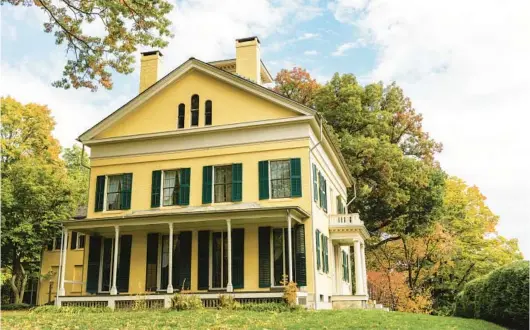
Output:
x,y
228,302
183,302
14,307
500,297
70,310
266,307
289,294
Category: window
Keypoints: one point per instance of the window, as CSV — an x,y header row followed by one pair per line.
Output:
x,y
345,268
181,115
219,260
163,261
324,250
208,113
280,178
56,243
105,266
223,183
171,193
280,253
195,110
341,209
113,192
77,241
322,184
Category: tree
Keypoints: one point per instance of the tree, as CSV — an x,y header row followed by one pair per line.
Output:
x,y
90,57
400,187
297,85
78,169
36,191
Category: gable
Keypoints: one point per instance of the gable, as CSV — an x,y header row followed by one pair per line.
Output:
x,y
230,105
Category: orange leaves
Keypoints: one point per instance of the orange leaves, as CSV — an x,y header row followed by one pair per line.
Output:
x,y
297,85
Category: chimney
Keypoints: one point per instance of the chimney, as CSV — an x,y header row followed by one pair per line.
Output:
x,y
248,59
149,69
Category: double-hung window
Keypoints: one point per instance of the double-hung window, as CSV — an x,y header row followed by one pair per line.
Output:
x,y
55,243
181,115
280,256
280,178
171,189
345,267
113,192
222,183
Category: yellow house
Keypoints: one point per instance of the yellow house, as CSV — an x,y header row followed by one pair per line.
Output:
x,y
209,183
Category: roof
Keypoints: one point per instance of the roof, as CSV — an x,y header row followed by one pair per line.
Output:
x,y
230,66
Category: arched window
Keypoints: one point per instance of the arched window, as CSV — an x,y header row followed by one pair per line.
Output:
x,y
208,113
181,114
195,110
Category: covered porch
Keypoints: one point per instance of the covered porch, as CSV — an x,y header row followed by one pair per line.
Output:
x,y
205,251
347,230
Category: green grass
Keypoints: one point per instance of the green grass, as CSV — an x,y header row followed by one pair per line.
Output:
x,y
213,319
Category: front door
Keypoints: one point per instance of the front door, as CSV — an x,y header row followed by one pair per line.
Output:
x,y
219,267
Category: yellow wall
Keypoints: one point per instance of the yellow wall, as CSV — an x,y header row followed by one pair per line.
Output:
x,y
230,105
142,167
50,261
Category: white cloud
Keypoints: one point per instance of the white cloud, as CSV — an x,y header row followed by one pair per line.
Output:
x,y
307,36
310,52
346,46
465,66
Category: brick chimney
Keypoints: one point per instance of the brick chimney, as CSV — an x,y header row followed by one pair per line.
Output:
x,y
149,69
248,58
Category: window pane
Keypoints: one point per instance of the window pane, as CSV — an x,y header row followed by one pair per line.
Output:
x,y
223,184
208,113
280,178
182,110
113,192
171,187
278,254
194,117
195,102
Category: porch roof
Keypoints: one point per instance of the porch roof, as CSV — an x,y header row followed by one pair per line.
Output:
x,y
190,214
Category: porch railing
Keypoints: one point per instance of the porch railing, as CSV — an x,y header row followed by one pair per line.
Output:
x,y
345,220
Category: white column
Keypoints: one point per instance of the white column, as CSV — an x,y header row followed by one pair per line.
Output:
x,y
365,276
359,284
229,287
290,248
170,270
64,246
114,289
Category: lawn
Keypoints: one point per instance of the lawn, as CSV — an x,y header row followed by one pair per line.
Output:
x,y
222,319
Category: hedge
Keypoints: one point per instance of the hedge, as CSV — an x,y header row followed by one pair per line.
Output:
x,y
14,307
500,297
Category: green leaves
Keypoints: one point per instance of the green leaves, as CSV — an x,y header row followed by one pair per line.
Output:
x,y
120,27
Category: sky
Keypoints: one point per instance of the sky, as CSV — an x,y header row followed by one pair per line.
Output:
x,y
464,64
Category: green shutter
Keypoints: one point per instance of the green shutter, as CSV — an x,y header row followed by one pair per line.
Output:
x,y
263,169
94,255
151,262
126,188
73,239
317,240
238,254
204,260
325,194
100,193
184,194
207,184
124,264
315,184
156,180
184,262
264,241
237,182
300,258
296,178
324,244
320,191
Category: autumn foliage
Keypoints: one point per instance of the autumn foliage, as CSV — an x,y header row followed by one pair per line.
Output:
x,y
297,85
